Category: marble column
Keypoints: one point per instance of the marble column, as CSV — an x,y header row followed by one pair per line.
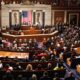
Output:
x,y
20,17
43,18
10,20
33,17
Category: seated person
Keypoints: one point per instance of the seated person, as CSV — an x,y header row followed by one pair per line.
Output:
x,y
78,68
35,58
34,77
29,67
56,78
45,76
8,68
49,66
43,59
70,77
59,65
18,66
39,67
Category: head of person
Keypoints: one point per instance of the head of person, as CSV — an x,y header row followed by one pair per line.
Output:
x,y
49,65
29,67
39,66
34,77
43,58
45,73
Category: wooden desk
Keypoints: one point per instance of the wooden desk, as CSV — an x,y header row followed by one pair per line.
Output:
x,y
39,37
28,27
14,54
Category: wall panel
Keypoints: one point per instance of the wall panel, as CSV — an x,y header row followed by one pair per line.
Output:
x,y
58,17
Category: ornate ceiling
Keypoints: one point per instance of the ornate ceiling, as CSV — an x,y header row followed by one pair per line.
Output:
x,y
33,1
52,2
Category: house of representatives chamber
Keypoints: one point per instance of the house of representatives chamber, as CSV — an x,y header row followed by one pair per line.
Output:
x,y
40,39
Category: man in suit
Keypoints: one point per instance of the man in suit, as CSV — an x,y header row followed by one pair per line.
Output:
x,y
45,76
70,77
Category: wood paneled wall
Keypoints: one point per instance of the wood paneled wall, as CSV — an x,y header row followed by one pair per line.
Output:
x,y
58,17
74,12
63,16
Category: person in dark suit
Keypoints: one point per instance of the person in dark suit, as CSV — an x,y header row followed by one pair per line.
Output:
x,y
34,77
45,76
70,77
18,66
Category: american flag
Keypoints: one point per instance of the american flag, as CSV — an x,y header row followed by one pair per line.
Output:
x,y
27,17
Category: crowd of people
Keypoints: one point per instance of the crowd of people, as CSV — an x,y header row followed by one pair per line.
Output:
x,y
24,30
61,47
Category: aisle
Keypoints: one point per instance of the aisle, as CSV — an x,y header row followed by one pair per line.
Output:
x,y
77,76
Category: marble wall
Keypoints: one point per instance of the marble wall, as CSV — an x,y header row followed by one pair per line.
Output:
x,y
8,8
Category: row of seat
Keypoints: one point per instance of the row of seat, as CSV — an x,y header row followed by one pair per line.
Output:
x,y
34,64
26,74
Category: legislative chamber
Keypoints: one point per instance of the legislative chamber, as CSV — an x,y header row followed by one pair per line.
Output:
x,y
39,39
